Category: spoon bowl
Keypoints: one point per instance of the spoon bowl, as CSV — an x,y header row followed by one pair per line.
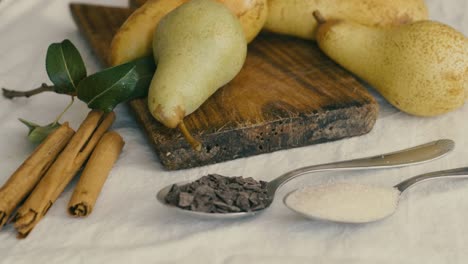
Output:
x,y
411,156
340,202
161,196
349,203
320,218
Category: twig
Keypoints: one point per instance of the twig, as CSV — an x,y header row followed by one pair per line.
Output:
x,y
10,94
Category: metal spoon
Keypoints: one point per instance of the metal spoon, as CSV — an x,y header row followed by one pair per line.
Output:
x,y
412,156
376,203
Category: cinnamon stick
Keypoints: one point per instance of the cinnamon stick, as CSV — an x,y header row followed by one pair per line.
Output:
x,y
62,171
23,180
95,174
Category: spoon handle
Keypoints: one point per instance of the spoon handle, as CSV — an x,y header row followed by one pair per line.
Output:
x,y
454,173
411,156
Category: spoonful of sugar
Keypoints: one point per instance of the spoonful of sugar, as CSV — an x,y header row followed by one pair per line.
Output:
x,y
356,203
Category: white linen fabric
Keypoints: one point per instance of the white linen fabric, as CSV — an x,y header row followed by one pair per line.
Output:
x,y
129,226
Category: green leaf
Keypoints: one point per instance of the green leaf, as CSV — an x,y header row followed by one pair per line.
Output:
x,y
38,133
65,67
106,89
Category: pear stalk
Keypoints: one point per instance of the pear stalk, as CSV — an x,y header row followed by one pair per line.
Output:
x,y
196,145
318,16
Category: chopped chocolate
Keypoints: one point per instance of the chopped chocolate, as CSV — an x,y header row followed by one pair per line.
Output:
x,y
258,207
226,207
253,198
243,201
185,199
215,193
227,196
173,196
201,207
235,186
204,190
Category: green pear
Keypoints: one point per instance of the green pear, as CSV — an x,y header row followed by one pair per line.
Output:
x,y
198,47
420,68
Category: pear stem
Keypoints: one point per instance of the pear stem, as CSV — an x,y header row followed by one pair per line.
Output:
x,y
10,94
318,16
196,145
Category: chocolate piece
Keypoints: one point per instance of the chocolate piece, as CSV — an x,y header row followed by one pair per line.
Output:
x,y
219,194
243,201
227,196
173,196
253,198
204,190
185,199
235,186
225,207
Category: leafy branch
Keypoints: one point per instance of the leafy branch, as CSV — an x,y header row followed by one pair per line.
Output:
x,y
103,90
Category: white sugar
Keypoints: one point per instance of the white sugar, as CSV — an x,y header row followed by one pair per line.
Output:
x,y
344,202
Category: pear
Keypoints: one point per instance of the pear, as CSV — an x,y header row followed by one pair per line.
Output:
x,y
421,68
294,17
198,47
134,38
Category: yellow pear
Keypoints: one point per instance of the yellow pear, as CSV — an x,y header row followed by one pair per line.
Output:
x,y
295,17
133,39
420,68
198,47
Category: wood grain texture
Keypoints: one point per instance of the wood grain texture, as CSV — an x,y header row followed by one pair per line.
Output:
x,y
287,95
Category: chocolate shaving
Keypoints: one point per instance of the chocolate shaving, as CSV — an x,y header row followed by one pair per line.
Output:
x,y
185,199
220,194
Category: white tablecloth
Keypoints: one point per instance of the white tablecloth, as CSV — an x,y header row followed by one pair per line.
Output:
x,y
129,226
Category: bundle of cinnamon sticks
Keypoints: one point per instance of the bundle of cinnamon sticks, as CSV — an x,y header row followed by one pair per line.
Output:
x,y
43,176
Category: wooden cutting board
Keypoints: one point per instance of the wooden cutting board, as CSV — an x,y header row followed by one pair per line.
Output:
x,y
287,95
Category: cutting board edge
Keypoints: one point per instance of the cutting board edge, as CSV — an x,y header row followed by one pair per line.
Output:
x,y
184,157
